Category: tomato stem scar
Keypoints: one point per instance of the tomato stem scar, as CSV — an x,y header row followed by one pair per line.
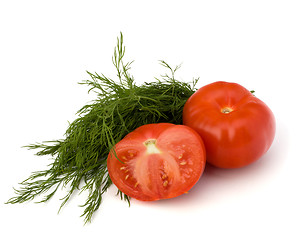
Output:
x,y
226,110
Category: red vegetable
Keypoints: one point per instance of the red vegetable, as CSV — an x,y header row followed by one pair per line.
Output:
x,y
237,128
159,161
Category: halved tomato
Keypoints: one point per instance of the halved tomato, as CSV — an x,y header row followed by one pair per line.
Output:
x,y
157,161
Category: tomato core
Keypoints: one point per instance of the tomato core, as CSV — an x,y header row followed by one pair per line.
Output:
x,y
151,147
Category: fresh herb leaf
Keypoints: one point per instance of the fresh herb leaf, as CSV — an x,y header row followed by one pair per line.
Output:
x,y
79,160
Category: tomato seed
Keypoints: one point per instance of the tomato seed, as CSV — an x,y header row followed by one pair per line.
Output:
x,y
165,183
164,176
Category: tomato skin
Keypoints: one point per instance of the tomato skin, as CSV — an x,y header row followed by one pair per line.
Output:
x,y
157,161
237,128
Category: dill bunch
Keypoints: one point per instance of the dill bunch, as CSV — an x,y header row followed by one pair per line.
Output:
x,y
79,160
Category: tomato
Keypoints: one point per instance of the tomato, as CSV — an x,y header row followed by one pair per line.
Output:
x,y
157,161
237,128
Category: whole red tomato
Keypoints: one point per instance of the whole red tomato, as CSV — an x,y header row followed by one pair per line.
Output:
x,y
157,161
237,128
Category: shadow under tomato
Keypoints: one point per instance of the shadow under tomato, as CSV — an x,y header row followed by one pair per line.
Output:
x,y
216,185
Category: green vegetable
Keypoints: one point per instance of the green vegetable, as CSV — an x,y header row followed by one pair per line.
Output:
x,y
79,160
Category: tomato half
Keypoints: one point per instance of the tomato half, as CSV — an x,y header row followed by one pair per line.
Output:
x,y
237,128
157,161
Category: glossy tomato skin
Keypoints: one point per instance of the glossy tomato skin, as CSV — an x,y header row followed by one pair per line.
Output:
x,y
237,128
157,161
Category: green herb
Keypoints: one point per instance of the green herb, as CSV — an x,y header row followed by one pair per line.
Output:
x,y
79,160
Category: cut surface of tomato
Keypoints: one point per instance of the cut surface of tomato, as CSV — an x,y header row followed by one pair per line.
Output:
x,y
157,161
237,128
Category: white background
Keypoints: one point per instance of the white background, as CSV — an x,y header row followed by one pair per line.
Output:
x,y
46,48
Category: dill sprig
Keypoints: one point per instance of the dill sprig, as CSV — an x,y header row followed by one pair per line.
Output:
x,y
79,160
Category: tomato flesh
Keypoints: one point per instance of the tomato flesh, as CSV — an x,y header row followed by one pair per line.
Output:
x,y
237,128
157,161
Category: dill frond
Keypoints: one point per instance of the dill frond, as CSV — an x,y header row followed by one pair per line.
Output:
x,y
79,160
